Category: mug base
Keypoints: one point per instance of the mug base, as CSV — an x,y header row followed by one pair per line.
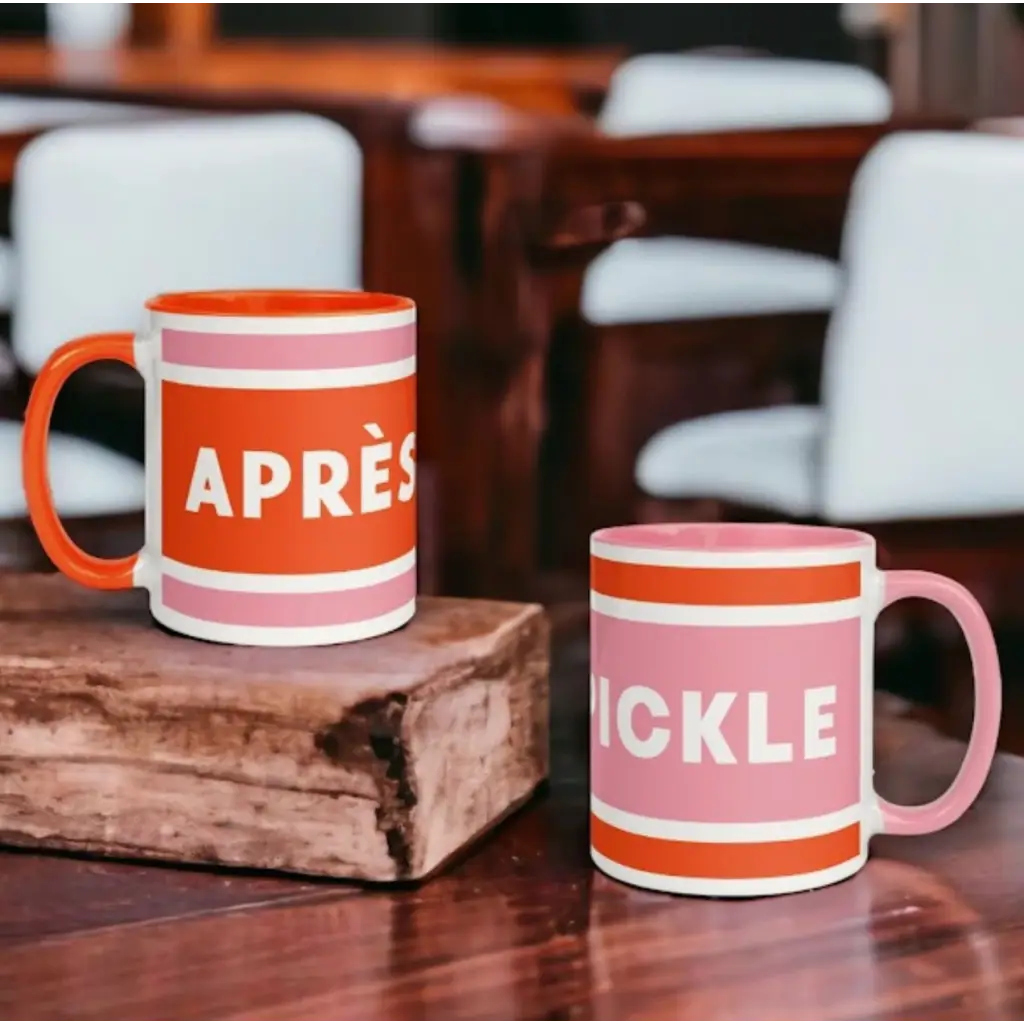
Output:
x,y
728,888
282,636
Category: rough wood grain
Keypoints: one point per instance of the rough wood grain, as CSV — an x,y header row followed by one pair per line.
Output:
x,y
375,761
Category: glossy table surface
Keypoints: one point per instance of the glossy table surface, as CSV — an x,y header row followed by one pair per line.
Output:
x,y
530,80
524,928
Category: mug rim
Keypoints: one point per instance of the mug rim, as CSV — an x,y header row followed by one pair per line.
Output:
x,y
732,538
279,303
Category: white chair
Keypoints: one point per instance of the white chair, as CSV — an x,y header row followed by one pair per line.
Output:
x,y
678,279
31,113
460,120
679,94
921,414
105,216
35,113
87,26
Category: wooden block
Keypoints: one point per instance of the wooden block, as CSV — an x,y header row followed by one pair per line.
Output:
x,y
376,761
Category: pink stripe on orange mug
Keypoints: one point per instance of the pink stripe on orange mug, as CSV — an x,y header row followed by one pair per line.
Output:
x,y
731,696
280,465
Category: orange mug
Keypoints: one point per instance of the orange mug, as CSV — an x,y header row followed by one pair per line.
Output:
x,y
280,465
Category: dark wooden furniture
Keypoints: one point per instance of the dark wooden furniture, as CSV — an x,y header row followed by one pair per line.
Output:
x,y
310,72
180,28
957,58
11,144
549,210
524,928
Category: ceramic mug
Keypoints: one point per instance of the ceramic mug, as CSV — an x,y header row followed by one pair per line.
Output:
x,y
731,705
280,465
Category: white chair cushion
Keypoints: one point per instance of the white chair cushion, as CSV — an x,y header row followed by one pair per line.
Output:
x,y
104,216
670,94
766,458
25,113
447,121
651,280
6,274
86,480
922,363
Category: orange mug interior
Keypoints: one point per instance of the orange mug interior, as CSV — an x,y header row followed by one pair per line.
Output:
x,y
278,302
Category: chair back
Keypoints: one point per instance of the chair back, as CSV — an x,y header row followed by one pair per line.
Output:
x,y
104,216
923,374
446,121
676,94
29,113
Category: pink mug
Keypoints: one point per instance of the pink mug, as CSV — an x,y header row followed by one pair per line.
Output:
x,y
731,702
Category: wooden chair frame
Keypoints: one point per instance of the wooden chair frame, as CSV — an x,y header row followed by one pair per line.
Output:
x,y
548,210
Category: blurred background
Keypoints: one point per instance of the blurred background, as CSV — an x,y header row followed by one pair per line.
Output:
x,y
672,261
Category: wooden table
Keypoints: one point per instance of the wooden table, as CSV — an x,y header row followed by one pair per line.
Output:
x,y
525,929
539,81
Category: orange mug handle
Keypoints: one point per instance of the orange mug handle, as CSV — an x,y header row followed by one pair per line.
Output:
x,y
66,555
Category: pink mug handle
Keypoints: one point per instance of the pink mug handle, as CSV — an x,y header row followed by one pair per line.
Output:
x,y
988,701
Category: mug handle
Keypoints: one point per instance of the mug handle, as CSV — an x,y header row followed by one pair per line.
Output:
x,y
988,700
66,555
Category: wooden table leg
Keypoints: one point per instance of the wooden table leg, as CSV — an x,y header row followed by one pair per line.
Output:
x,y
502,369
